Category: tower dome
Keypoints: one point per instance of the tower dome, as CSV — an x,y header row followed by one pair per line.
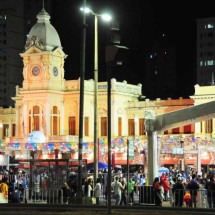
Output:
x,y
43,35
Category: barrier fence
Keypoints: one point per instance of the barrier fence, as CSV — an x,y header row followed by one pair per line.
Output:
x,y
143,195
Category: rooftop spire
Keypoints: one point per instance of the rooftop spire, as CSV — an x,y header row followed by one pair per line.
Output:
x,y
43,5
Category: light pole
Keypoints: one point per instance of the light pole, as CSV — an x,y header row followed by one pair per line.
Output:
x,y
105,17
1,126
113,53
81,107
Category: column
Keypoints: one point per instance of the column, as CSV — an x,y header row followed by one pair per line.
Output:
x,y
62,119
203,127
199,162
213,127
152,156
24,120
181,130
136,124
47,119
198,128
10,129
17,132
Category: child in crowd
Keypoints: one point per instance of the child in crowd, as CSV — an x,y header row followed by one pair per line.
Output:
x,y
187,198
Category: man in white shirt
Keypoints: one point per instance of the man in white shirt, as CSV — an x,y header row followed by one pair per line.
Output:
x,y
117,188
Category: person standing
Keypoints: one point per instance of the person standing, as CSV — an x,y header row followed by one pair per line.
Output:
x,y
123,199
142,180
66,193
4,191
117,188
16,195
98,190
166,187
210,187
178,192
131,185
193,187
157,192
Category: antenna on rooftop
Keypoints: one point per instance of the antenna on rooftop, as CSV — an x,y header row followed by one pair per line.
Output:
x,y
43,4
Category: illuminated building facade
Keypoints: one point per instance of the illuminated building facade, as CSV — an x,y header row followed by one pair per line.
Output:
x,y
48,103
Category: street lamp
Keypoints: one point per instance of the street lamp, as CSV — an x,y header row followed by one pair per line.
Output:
x,y
114,55
107,18
1,125
81,106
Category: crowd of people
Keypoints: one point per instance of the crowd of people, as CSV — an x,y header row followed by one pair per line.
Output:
x,y
185,189
175,186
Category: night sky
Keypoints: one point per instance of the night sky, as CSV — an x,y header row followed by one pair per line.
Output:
x,y
140,23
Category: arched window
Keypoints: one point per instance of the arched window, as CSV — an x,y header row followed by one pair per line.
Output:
x,y
55,121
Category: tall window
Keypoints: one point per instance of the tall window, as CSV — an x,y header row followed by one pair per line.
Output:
x,y
175,131
34,119
119,126
13,130
55,121
103,126
208,126
131,127
72,125
141,127
86,126
5,130
187,129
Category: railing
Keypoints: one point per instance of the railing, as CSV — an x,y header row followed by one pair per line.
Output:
x,y
39,196
143,195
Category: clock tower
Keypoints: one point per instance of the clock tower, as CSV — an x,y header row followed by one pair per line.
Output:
x,y
43,58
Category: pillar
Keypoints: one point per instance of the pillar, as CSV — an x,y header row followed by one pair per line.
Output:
x,y
152,156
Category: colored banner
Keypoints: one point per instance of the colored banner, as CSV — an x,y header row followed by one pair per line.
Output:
x,y
131,149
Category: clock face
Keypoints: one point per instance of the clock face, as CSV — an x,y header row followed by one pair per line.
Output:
x,y
55,71
36,70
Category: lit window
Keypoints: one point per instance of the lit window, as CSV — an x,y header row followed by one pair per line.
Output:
x,y
210,62
201,63
103,126
131,127
72,123
210,26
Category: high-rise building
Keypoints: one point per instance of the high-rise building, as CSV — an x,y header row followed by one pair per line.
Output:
x,y
16,19
205,58
160,69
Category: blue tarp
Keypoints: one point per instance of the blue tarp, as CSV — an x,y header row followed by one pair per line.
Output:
x,y
101,165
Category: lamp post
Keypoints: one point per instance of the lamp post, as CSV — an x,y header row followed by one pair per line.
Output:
x,y
105,17
113,53
81,107
1,125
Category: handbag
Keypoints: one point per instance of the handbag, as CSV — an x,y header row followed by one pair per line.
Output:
x,y
93,200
